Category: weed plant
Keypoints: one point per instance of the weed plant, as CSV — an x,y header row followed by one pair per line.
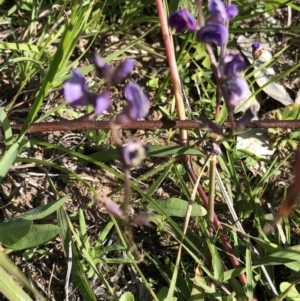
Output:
x,y
171,209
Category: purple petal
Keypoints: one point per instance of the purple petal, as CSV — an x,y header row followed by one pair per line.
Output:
x,y
231,64
113,208
122,71
213,33
101,102
182,20
138,104
232,11
75,89
248,116
217,7
104,69
255,46
235,90
142,218
134,152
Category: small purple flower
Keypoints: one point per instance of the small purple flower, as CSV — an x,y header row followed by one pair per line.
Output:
x,y
134,152
257,50
182,20
76,93
104,69
255,46
122,71
217,11
230,65
113,76
235,90
232,11
213,33
76,89
138,104
113,208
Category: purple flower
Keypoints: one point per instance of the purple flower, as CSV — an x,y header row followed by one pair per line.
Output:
x,y
104,69
113,208
122,71
134,152
138,104
220,13
182,20
113,76
230,65
76,89
255,46
235,90
213,33
232,11
256,50
76,93
217,11
214,30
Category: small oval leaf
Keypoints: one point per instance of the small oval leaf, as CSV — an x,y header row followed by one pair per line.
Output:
x,y
178,207
38,235
13,230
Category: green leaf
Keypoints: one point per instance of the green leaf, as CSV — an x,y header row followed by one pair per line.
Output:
x,y
178,207
162,295
291,112
6,287
6,127
289,291
38,235
13,230
284,256
44,210
8,159
127,296
10,288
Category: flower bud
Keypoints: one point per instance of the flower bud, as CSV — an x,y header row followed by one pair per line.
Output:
x,y
257,50
182,20
134,152
230,65
232,11
235,90
113,208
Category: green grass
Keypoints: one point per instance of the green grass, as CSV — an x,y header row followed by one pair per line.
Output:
x,y
182,259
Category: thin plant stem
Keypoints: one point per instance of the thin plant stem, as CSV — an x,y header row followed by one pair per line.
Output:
x,y
126,201
173,68
211,196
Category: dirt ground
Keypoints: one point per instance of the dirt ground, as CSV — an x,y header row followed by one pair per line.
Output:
x,y
26,185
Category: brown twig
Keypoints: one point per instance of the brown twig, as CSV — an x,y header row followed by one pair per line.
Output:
x,y
76,125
